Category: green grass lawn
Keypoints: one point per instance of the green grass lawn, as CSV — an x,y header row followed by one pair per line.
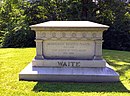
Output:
x,y
13,60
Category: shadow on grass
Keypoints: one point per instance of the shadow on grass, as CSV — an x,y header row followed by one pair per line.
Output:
x,y
79,87
117,56
119,60
121,69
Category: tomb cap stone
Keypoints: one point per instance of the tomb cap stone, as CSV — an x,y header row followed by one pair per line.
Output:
x,y
69,25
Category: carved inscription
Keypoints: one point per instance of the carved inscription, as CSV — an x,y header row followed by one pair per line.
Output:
x,y
68,49
68,64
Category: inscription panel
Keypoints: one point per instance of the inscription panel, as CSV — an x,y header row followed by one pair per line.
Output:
x,y
68,49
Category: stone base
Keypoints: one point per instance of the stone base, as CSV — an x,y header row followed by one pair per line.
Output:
x,y
105,74
68,63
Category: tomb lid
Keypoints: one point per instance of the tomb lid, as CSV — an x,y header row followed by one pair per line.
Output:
x,y
68,24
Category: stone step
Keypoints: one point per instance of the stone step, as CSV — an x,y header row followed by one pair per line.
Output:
x,y
105,74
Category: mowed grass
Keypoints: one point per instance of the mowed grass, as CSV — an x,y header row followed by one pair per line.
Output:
x,y
13,60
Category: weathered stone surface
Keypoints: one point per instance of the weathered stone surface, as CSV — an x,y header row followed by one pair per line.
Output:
x,y
69,40
69,25
69,63
68,49
105,74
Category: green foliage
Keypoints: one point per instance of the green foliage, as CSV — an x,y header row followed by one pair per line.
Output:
x,y
117,16
15,30
20,38
17,15
45,10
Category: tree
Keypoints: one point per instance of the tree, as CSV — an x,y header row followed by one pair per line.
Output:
x,y
89,9
117,16
17,15
13,25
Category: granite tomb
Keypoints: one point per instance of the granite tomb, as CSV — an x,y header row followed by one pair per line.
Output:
x,y
69,51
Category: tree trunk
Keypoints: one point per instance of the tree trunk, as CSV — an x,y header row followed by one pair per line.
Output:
x,y
84,12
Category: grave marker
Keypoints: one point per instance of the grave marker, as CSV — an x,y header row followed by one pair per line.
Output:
x,y
69,51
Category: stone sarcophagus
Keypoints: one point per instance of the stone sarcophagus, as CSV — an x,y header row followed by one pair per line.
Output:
x,y
69,51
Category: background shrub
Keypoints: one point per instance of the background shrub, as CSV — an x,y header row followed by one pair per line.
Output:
x,y
17,15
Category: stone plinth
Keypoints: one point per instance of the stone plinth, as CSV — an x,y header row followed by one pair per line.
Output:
x,y
69,51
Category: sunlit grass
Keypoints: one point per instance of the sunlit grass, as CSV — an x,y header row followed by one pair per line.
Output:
x,y
13,60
